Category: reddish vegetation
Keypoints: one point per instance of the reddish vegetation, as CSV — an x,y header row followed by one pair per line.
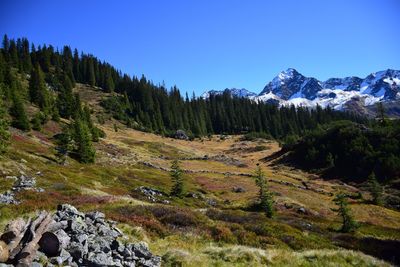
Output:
x,y
19,138
211,184
50,199
41,136
52,127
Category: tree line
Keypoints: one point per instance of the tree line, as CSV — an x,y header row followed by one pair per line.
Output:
x,y
147,106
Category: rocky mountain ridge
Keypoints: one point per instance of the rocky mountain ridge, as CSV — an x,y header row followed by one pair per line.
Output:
x,y
291,87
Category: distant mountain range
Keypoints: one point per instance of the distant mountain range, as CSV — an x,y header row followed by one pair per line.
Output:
x,y
291,87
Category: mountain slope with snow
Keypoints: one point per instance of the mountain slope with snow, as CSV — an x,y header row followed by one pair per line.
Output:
x,y
233,91
290,87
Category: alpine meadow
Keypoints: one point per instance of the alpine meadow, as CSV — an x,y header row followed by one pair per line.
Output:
x,y
221,154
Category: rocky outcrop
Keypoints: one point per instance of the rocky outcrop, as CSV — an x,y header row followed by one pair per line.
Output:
x,y
181,134
73,238
23,182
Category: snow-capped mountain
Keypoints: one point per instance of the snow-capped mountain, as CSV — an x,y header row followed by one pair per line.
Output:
x,y
291,87
233,91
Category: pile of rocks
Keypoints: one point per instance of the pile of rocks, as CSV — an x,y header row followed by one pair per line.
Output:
x,y
90,240
23,182
228,160
152,194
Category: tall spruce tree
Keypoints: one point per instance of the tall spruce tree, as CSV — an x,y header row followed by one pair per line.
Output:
x,y
20,119
83,140
65,98
38,91
63,145
177,179
265,197
4,124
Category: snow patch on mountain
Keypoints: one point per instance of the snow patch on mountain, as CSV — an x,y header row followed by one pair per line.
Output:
x,y
233,91
290,87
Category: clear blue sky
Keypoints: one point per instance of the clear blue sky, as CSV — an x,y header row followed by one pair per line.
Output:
x,y
214,44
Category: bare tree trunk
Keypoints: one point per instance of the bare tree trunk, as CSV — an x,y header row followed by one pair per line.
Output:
x,y
37,228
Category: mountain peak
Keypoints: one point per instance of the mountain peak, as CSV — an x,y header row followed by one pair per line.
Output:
x,y
287,74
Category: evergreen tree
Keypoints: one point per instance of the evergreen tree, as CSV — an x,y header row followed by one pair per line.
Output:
x,y
348,223
37,121
264,196
37,90
375,189
65,99
177,179
20,119
109,83
90,76
63,145
26,63
83,140
381,113
4,124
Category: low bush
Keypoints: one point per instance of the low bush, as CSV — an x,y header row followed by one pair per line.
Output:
x,y
222,234
256,135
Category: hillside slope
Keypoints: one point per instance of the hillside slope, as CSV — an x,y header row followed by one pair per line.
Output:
x,y
213,224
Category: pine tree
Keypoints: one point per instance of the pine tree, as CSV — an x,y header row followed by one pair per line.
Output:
x,y
348,223
375,189
20,119
26,63
83,139
63,145
65,99
264,196
381,113
37,121
37,90
4,124
177,179
109,83
90,76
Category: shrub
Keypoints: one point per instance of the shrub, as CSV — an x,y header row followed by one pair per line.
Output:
x,y
256,135
222,234
176,216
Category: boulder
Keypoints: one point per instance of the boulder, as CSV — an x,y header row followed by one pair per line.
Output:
x,y
238,189
181,134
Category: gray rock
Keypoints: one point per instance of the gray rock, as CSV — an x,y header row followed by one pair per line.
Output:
x,y
238,189
8,198
64,257
78,250
77,225
211,202
302,210
56,225
181,134
63,237
99,259
95,215
69,210
141,249
128,264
